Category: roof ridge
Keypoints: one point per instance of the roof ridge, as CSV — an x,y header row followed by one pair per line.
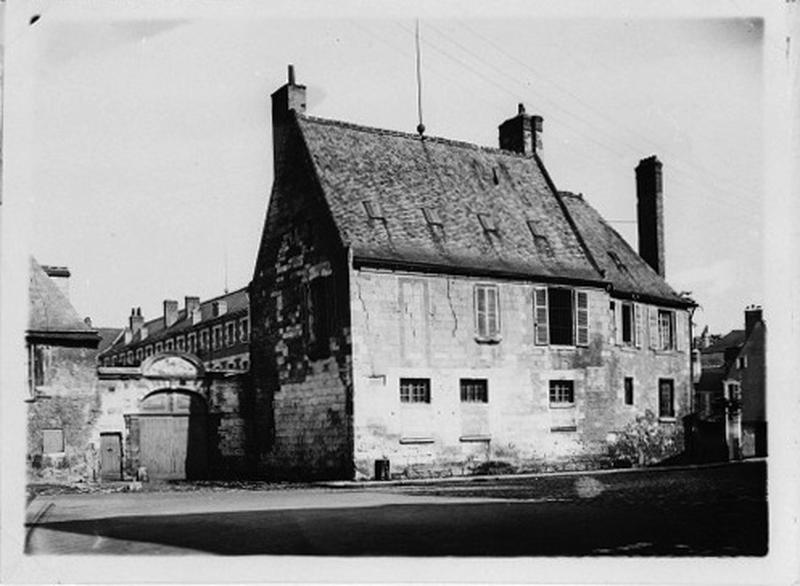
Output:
x,y
409,135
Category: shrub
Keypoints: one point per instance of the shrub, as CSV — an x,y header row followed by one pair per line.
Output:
x,y
645,441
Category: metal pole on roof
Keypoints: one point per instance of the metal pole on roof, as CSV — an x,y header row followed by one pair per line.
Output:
x,y
420,126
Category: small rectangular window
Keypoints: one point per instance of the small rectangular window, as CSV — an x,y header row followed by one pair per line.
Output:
x,y
415,390
52,441
666,397
217,342
628,390
474,390
159,347
244,331
374,210
191,343
488,223
741,362
627,324
487,312
180,343
562,392
168,345
230,333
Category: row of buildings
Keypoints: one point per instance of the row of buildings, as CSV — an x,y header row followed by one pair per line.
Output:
x,y
418,306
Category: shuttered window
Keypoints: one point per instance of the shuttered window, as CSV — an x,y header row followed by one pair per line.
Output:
x,y
561,316
487,312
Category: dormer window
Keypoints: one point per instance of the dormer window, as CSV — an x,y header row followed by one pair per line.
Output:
x,y
432,217
488,223
374,211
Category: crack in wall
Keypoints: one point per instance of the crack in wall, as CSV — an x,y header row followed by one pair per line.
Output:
x,y
452,309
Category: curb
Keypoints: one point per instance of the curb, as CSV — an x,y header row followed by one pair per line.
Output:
x,y
356,484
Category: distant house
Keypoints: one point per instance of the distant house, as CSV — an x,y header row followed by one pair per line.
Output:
x,y
730,396
62,349
425,306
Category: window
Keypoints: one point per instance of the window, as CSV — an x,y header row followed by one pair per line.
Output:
x,y
129,357
487,312
474,390
562,392
627,323
666,330
415,390
139,354
159,347
244,330
432,216
191,342
741,362
561,316
666,397
41,364
540,240
230,333
374,211
180,343
204,340
52,441
148,351
217,341
487,223
628,390
168,345
245,364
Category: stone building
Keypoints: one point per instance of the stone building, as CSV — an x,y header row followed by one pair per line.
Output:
x,y
426,306
730,395
174,392
62,392
216,331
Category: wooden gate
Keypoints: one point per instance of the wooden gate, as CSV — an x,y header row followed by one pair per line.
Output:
x,y
110,456
172,436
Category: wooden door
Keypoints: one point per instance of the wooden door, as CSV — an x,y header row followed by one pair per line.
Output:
x,y
110,456
172,445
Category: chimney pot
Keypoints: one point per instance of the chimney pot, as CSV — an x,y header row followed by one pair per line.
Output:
x,y
291,74
520,108
753,314
650,213
286,99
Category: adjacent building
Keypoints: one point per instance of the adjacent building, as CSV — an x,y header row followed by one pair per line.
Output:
x,y
730,395
426,306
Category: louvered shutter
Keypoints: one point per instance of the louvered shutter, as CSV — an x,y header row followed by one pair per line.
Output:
x,y
680,329
492,312
581,318
653,311
638,326
480,311
540,314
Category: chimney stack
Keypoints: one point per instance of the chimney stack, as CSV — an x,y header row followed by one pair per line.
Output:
x,y
285,100
522,133
753,314
135,321
650,213
170,312
60,276
192,309
219,307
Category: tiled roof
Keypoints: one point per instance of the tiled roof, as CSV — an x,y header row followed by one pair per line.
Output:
x,y
623,267
237,303
107,337
51,313
460,182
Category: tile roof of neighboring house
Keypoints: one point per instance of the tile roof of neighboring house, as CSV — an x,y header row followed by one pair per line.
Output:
x,y
237,303
622,265
459,181
539,232
51,315
107,337
729,340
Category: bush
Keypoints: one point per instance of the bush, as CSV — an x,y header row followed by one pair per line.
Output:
x,y
645,441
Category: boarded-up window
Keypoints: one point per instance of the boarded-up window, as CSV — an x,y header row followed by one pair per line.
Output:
x,y
52,441
487,312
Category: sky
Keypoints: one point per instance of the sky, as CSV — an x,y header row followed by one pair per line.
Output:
x,y
150,154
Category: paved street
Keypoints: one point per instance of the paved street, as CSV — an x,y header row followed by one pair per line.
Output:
x,y
718,510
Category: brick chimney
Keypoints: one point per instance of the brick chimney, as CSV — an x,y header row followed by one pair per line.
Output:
x,y
285,100
650,213
60,276
753,314
135,321
170,312
522,133
192,306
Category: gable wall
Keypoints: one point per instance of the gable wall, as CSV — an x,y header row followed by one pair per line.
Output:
x,y
516,425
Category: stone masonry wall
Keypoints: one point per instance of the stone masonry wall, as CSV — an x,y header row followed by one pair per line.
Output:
x,y
517,425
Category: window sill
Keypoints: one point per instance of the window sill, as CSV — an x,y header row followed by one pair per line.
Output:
x,y
416,440
667,419
562,405
564,428
475,438
493,340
